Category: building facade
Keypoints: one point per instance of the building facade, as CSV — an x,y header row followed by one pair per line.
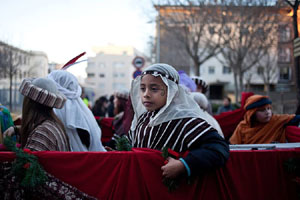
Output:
x,y
111,69
21,64
275,72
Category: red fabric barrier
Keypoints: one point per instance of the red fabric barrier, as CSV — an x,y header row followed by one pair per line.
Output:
x,y
292,133
137,175
228,121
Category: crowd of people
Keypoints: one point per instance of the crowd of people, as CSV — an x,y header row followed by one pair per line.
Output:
x,y
164,108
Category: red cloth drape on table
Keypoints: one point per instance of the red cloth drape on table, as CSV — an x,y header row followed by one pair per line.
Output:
x,y
292,133
137,175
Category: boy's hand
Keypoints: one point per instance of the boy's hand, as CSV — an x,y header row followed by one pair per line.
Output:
x,y
9,132
173,168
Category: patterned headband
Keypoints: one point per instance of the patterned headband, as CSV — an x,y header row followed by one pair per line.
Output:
x,y
155,73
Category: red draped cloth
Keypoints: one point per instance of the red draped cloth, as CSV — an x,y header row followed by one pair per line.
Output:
x,y
292,133
137,175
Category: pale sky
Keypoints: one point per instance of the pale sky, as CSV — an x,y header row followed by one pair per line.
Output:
x,y
65,28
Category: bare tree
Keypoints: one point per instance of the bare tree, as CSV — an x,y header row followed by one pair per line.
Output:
x,y
252,31
188,32
11,59
268,70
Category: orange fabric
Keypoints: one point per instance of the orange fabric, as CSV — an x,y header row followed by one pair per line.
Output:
x,y
261,133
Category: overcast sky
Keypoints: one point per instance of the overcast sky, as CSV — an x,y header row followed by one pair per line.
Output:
x,y
64,28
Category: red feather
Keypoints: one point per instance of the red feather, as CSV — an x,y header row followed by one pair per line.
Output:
x,y
73,60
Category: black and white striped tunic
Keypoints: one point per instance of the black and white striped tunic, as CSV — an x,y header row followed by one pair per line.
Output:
x,y
47,137
179,135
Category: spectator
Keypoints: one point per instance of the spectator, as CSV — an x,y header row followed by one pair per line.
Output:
x,y
100,107
111,106
226,106
5,121
120,101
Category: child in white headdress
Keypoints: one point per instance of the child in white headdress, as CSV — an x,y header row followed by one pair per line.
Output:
x,y
165,115
80,124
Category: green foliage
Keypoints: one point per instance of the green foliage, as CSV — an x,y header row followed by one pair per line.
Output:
x,y
215,107
292,166
171,184
165,153
122,144
26,166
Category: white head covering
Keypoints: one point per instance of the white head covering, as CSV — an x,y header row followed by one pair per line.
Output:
x,y
200,99
75,114
179,103
203,103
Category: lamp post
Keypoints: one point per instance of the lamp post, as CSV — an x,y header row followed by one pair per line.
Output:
x,y
158,37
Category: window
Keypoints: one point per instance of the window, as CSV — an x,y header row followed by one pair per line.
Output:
x,y
91,64
284,33
244,31
260,70
226,70
20,75
211,30
122,75
118,65
227,30
118,86
101,75
284,74
284,55
211,69
101,65
260,32
115,75
101,85
91,75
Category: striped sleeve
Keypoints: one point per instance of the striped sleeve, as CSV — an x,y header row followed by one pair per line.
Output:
x,y
47,137
40,141
192,133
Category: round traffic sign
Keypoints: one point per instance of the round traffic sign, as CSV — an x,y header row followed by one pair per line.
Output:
x,y
137,73
138,62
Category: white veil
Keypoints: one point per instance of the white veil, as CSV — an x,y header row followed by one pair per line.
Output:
x,y
75,114
179,103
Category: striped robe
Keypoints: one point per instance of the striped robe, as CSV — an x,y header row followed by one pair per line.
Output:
x,y
179,135
47,137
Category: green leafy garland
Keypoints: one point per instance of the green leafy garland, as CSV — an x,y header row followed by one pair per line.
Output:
x,y
171,184
26,166
122,144
292,166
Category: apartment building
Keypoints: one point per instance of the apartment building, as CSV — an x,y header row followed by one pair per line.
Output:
x,y
111,69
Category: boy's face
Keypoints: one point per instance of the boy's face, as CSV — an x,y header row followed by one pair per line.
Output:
x,y
264,114
153,92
